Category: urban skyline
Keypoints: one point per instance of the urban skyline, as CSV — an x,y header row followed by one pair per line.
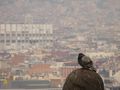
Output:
x,y
40,40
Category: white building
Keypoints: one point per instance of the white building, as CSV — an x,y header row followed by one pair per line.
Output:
x,y
26,35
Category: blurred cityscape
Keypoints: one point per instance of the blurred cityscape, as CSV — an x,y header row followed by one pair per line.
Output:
x,y
40,41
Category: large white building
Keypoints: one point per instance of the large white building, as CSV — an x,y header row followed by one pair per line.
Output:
x,y
26,35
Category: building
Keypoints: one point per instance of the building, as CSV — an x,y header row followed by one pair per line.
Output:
x,y
3,65
26,35
40,71
66,70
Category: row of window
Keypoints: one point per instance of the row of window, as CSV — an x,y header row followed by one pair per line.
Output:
x,y
19,26
26,41
34,35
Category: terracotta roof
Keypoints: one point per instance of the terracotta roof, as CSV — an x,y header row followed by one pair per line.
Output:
x,y
17,59
40,68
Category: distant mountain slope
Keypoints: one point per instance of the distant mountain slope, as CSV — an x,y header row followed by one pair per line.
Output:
x,y
64,12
